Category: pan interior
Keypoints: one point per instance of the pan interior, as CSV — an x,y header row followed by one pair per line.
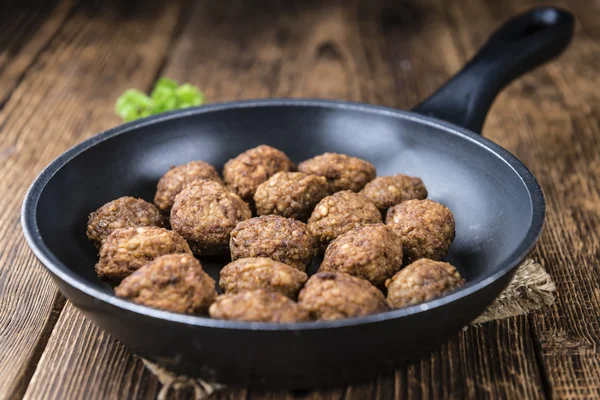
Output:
x,y
490,201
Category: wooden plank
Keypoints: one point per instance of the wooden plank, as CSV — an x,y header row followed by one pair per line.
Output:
x,y
489,361
391,54
284,49
24,31
67,94
550,119
81,342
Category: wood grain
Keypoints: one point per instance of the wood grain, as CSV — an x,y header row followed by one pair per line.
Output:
x,y
67,94
550,120
24,31
70,378
488,361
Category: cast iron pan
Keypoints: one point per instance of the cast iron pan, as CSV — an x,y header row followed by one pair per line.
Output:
x,y
497,203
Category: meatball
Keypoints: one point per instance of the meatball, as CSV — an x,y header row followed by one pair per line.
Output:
x,y
425,227
290,194
177,178
244,173
127,249
258,306
261,273
372,252
422,281
282,239
204,213
338,213
335,295
342,172
174,282
387,191
123,212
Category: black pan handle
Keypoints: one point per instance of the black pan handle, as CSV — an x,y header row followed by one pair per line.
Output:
x,y
520,45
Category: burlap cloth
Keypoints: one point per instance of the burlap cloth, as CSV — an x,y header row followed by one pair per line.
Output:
x,y
531,289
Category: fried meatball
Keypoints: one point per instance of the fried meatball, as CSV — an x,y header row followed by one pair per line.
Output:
x,y
257,306
261,273
204,213
123,212
387,191
177,178
342,172
127,249
290,194
335,295
372,252
338,213
174,282
422,281
425,227
282,239
247,171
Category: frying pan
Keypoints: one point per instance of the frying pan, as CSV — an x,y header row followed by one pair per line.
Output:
x,y
498,206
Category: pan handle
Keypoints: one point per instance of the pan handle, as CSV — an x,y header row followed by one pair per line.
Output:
x,y
520,45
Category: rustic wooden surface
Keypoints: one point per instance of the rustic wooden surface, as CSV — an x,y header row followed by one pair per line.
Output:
x,y
63,64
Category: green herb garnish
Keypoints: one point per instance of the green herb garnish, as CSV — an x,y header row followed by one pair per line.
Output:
x,y
167,95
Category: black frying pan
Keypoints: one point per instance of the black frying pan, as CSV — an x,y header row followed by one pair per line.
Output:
x,y
497,203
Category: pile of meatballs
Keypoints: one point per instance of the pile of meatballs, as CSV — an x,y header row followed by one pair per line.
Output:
x,y
382,241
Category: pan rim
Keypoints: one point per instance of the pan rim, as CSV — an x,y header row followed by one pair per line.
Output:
x,y
62,272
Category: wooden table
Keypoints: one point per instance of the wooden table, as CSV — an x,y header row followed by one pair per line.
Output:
x,y
63,65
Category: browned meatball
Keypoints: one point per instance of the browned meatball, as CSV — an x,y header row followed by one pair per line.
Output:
x,y
174,282
342,172
290,194
258,306
387,191
123,212
282,239
177,178
204,213
261,273
425,227
335,295
244,173
422,281
372,252
127,249
338,213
